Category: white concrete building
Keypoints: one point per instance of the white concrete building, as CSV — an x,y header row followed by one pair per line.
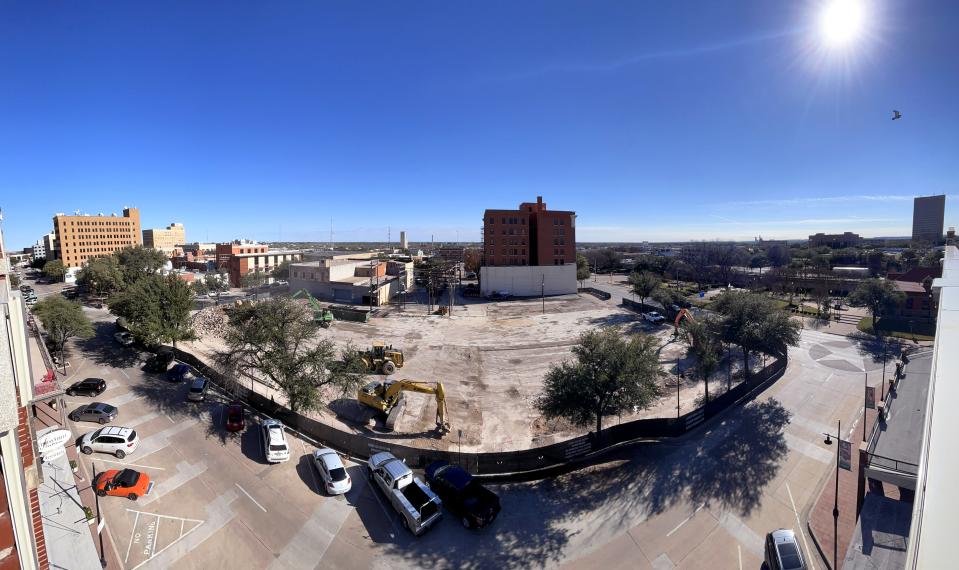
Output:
x,y
528,280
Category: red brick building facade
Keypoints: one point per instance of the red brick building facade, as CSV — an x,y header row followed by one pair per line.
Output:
x,y
530,235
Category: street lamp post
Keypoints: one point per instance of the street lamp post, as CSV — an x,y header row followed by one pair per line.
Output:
x,y
835,501
96,498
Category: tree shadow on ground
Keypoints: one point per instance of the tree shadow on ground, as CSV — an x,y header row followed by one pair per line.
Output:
x,y
875,347
166,397
103,350
727,467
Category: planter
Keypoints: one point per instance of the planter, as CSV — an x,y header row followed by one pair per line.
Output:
x,y
74,466
91,518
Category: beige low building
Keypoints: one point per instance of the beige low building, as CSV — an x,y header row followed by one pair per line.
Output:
x,y
165,240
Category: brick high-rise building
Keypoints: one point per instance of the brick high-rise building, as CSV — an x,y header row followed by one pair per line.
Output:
x,y
530,235
928,218
82,237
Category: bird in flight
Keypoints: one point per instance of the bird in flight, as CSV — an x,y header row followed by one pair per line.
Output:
x,y
896,115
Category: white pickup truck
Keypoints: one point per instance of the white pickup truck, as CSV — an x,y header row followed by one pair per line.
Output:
x,y
654,317
418,506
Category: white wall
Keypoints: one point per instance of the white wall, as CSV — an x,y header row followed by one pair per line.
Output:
x,y
527,281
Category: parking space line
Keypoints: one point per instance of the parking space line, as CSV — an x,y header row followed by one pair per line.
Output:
x,y
739,548
156,533
686,520
164,516
132,533
133,465
801,532
125,375
169,418
250,497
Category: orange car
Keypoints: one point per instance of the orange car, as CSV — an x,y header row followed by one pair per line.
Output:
x,y
126,483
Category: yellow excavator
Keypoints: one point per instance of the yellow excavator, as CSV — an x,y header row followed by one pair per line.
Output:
x,y
387,397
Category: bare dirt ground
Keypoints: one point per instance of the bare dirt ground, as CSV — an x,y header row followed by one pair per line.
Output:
x,y
491,359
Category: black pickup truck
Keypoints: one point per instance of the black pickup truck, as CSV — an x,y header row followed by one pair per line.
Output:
x,y
475,505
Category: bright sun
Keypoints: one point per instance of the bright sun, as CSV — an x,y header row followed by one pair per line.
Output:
x,y
841,22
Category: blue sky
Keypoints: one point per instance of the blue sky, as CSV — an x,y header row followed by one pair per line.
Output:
x,y
653,120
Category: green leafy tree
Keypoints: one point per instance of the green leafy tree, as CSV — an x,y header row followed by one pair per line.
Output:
x,y
880,296
608,375
101,276
253,280
275,340
667,298
137,262
54,270
643,285
282,271
582,268
63,320
199,287
750,319
217,283
157,308
705,347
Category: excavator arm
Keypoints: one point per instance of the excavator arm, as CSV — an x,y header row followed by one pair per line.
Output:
x,y
392,395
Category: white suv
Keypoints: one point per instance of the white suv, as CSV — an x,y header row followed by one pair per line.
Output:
x,y
275,447
119,441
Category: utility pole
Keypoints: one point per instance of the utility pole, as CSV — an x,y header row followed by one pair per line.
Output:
x,y
543,292
96,498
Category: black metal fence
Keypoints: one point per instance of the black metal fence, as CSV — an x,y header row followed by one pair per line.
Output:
x,y
595,292
507,464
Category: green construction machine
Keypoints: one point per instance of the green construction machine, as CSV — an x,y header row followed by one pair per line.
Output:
x,y
321,314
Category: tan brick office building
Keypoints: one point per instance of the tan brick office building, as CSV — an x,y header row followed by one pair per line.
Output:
x,y
166,239
83,237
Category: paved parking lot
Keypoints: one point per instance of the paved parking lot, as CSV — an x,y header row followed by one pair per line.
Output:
x,y
217,504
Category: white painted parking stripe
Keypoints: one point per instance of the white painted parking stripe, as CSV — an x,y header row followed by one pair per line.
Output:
x,y
686,520
132,532
151,467
250,497
185,472
219,513
800,525
142,419
124,399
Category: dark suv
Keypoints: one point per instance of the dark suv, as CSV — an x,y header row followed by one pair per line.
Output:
x,y
88,387
95,412
160,361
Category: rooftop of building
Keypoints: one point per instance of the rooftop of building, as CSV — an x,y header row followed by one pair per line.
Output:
x,y
909,287
269,252
937,497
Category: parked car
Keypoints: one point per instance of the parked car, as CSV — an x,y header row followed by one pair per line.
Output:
x,y
328,464
178,373
123,483
197,391
95,412
160,361
118,441
275,447
783,552
654,317
233,418
418,506
88,387
475,505
124,338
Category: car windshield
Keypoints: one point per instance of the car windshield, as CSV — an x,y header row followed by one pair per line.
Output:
x,y
789,555
338,474
198,386
233,415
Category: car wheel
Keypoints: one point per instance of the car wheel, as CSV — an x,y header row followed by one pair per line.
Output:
x,y
120,454
466,523
389,368
86,450
74,417
102,420
101,493
132,496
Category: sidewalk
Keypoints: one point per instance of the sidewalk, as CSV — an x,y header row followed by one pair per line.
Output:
x,y
820,517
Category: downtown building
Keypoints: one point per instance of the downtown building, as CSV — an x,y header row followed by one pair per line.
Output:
x,y
165,239
80,237
529,251
928,218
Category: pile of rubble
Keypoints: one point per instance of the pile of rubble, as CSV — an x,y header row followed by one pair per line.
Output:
x,y
211,321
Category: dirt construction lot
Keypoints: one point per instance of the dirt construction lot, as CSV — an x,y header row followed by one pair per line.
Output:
x,y
491,358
